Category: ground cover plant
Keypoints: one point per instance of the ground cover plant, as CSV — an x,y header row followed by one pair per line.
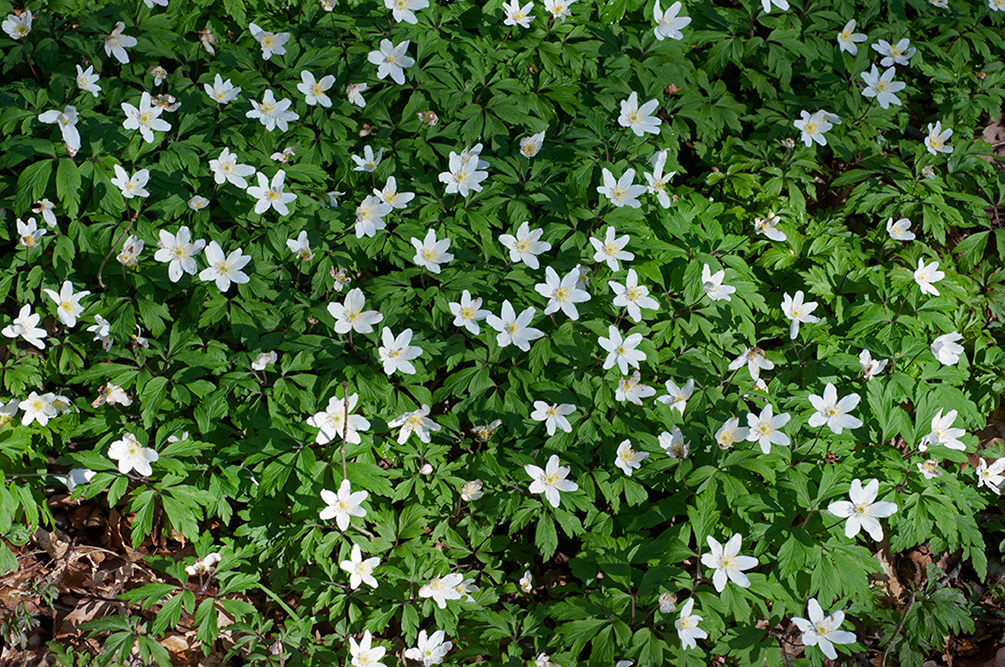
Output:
x,y
554,334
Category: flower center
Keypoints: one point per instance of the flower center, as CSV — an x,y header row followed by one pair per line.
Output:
x,y
562,294
223,267
512,328
468,313
272,195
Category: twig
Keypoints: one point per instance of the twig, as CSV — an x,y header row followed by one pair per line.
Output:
x,y
345,422
889,644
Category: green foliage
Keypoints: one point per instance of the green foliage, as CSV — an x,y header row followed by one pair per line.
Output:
x,y
241,465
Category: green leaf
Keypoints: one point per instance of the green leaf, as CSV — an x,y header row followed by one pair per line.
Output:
x,y
31,184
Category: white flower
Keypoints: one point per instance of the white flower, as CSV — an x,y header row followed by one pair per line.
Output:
x,y
764,429
526,582
813,126
798,311
203,566
630,389
996,5
403,10
673,443
432,649
354,93
531,146
755,360
658,181
26,326
551,480
667,602
264,359
883,88
834,412
621,351
781,4
731,432
116,43
29,233
900,230
726,563
67,303
822,631
222,91
146,118
513,329
197,203
37,408
224,269
562,293
935,142
271,196
621,192
559,8
8,411
943,433
926,275
991,475
396,354
463,176
467,312
364,654
767,226
18,25
553,416
131,186
131,455
272,43
848,39
525,246
102,332
632,296
871,367
930,469
863,511
360,571
946,350
640,120
346,503
896,54
369,161
390,195
301,247
76,477
351,316
45,207
391,59
414,422
150,3
430,253
472,490
711,284
676,397
611,249
442,589
928,171
313,90
687,623
517,15
370,216
628,459
131,249
179,251
668,24
67,120
333,425
87,80
272,114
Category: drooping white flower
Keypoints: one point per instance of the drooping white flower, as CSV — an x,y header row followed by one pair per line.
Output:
x,y
526,582
102,332
131,249
945,348
673,443
67,121
354,93
900,230
863,511
531,146
263,359
550,481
